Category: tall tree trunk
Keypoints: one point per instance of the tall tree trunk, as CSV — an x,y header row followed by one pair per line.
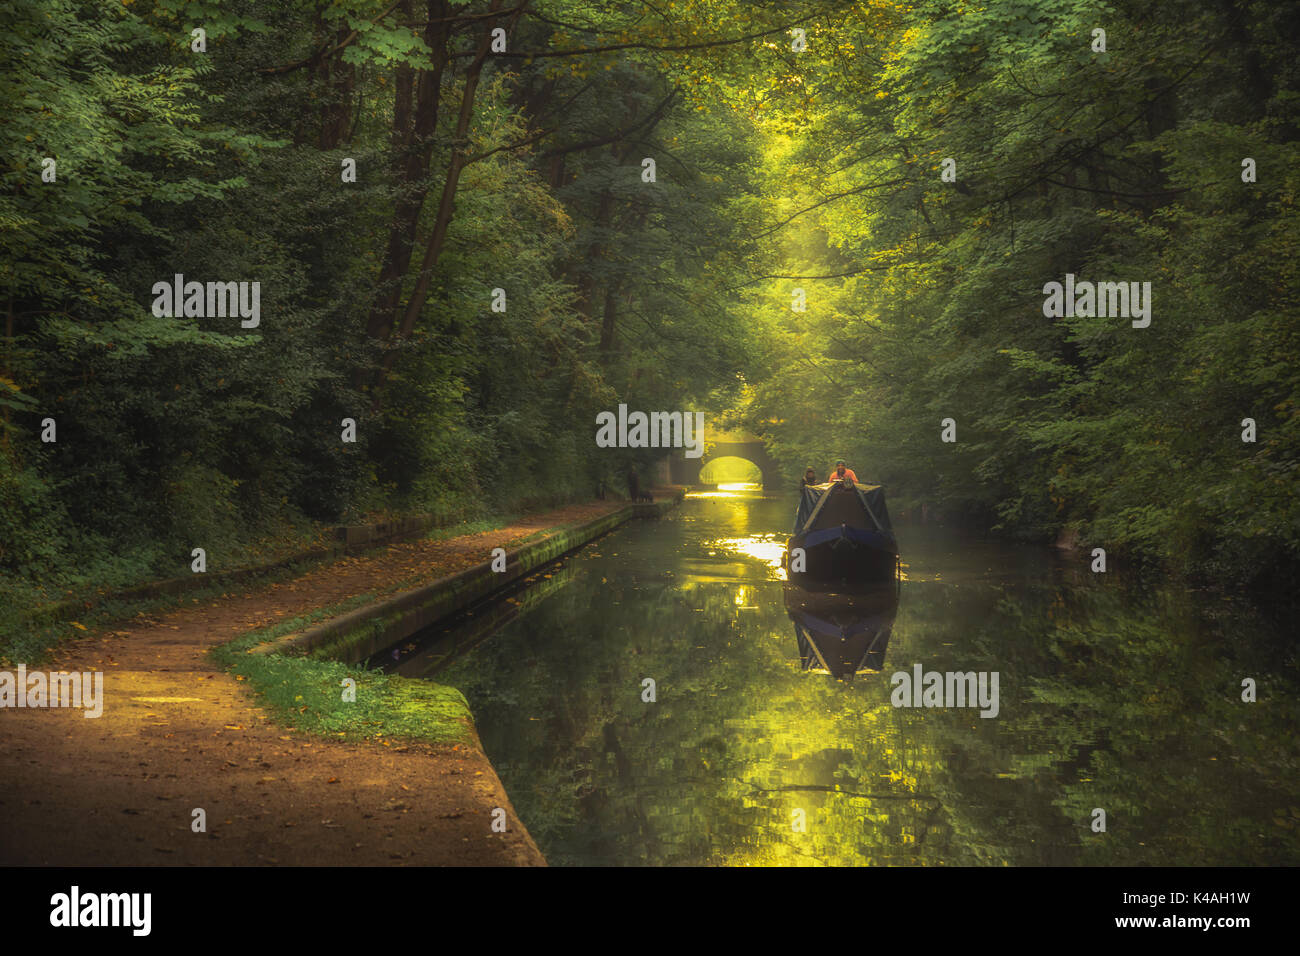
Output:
x,y
413,151
608,321
337,78
9,367
446,203
586,280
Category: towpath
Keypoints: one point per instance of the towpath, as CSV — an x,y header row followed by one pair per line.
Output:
x,y
179,733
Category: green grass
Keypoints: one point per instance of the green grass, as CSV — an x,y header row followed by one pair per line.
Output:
x,y
476,526
307,693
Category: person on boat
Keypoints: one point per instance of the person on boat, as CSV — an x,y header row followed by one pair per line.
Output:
x,y
809,477
841,472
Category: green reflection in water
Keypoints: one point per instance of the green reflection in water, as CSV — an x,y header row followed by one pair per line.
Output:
x,y
1110,697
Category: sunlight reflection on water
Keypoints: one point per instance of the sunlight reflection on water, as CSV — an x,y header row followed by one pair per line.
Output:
x,y
767,548
734,489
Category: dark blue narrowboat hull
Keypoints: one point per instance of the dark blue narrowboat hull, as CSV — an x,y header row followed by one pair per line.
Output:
x,y
843,558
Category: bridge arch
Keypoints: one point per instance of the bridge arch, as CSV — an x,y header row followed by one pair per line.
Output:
x,y
686,471
723,469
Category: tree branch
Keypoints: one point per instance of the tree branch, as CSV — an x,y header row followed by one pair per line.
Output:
x,y
667,48
325,50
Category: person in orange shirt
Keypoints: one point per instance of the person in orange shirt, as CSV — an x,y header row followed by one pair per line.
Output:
x,y
841,472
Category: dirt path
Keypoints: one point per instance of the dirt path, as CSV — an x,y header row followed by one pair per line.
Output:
x,y
178,733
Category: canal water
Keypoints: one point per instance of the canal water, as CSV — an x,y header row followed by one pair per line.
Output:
x,y
770,736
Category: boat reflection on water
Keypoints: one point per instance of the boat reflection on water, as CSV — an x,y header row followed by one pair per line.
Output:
x,y
841,634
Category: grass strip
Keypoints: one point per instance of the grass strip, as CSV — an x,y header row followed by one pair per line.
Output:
x,y
310,694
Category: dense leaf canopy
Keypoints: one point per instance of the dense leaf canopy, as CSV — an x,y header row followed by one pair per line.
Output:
x,y
797,145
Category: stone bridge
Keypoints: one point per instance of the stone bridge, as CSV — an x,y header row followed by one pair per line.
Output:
x,y
739,444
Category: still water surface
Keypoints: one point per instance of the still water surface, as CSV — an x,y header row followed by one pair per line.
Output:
x,y
772,738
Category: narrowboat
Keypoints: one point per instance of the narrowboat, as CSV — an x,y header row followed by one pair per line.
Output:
x,y
842,538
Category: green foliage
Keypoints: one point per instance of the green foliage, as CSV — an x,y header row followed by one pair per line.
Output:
x,y
773,170
1124,165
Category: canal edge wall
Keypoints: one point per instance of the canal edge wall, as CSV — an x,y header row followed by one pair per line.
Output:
x,y
356,635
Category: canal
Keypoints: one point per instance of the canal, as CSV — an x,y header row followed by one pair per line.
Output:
x,y
660,698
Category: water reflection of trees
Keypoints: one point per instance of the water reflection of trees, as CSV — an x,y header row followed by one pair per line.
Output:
x,y
1107,701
